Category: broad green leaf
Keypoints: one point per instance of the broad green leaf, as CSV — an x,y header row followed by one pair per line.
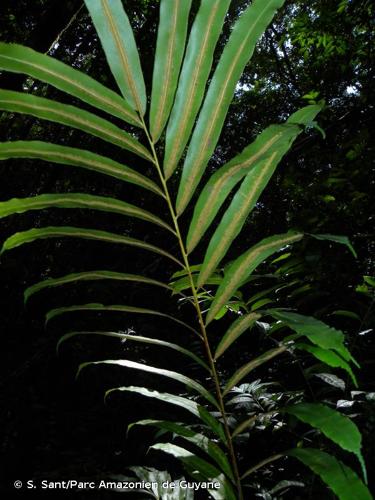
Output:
x,y
342,480
170,47
54,313
342,240
316,331
78,200
31,235
71,116
236,329
251,365
339,428
117,39
244,265
330,358
239,49
221,183
198,439
77,158
89,276
137,338
194,74
191,406
189,382
20,59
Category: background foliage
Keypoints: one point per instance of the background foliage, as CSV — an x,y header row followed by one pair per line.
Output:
x,y
325,185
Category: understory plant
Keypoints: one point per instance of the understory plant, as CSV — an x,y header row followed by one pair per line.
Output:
x,y
176,130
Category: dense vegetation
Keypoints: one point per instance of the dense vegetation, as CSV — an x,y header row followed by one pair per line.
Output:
x,y
56,428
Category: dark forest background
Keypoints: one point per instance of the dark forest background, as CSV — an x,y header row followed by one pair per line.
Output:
x,y
54,427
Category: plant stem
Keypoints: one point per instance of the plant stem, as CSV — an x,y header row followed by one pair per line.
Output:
x,y
202,325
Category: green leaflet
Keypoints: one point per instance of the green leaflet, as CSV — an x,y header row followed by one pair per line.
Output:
x,y
330,358
189,405
89,276
343,481
207,470
244,265
236,214
157,371
75,157
241,205
316,331
137,338
339,428
343,240
275,138
78,200
194,74
236,329
54,313
19,59
170,47
72,116
239,49
198,439
251,365
31,235
117,39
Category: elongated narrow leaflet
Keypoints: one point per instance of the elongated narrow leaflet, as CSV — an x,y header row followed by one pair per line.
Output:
x,y
89,276
244,265
19,59
189,405
200,440
117,39
54,313
251,365
221,183
77,158
31,235
71,116
196,68
170,47
236,55
78,200
140,339
236,329
157,371
235,216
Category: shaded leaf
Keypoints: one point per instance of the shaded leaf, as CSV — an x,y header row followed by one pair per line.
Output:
x,y
339,428
244,265
31,235
78,200
73,117
195,70
75,157
343,481
20,59
170,47
117,39
237,52
236,329
54,313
